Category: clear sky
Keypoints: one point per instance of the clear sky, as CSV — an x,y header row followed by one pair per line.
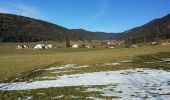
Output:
x,y
92,15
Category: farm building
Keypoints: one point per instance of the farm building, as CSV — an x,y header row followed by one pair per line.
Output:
x,y
25,46
75,46
41,46
164,42
50,46
111,47
88,46
22,47
134,46
114,42
154,43
19,47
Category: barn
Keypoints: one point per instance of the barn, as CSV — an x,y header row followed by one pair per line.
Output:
x,y
40,46
75,46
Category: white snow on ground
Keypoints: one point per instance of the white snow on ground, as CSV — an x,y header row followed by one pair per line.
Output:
x,y
136,83
124,61
41,93
82,66
166,60
56,72
29,98
65,67
58,97
110,64
47,78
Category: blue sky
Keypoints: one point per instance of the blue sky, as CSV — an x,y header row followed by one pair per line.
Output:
x,y
92,15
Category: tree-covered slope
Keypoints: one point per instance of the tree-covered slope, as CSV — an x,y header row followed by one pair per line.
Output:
x,y
153,31
14,28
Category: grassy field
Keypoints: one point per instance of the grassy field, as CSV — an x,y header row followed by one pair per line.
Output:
x,y
23,63
14,62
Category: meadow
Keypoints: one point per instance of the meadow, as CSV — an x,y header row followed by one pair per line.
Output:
x,y
28,65
15,62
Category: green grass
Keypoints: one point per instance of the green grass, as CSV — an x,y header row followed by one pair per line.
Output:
x,y
15,62
50,93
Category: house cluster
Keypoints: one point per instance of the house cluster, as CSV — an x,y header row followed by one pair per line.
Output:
x,y
38,46
81,44
93,44
22,47
161,42
43,46
76,45
113,44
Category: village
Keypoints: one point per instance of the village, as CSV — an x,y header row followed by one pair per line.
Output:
x,y
90,44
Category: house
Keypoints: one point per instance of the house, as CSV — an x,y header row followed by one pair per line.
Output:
x,y
22,47
154,43
164,42
50,46
88,46
25,46
112,42
40,46
75,46
134,46
111,47
19,47
109,43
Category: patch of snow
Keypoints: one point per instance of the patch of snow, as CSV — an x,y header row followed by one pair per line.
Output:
x,y
110,64
72,96
125,61
19,98
47,78
82,66
29,97
41,93
60,67
65,67
51,68
56,72
90,98
58,97
134,83
166,60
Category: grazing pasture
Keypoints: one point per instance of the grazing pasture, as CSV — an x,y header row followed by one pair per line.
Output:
x,y
28,65
14,62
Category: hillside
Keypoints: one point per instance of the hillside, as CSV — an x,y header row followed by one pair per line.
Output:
x,y
14,28
96,35
153,31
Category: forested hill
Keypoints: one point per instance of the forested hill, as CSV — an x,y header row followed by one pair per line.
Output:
x,y
96,35
14,28
153,31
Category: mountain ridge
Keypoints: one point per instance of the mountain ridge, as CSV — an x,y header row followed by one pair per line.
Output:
x,y
15,28
154,30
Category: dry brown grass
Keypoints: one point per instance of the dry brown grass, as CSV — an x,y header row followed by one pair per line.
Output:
x,y
14,62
